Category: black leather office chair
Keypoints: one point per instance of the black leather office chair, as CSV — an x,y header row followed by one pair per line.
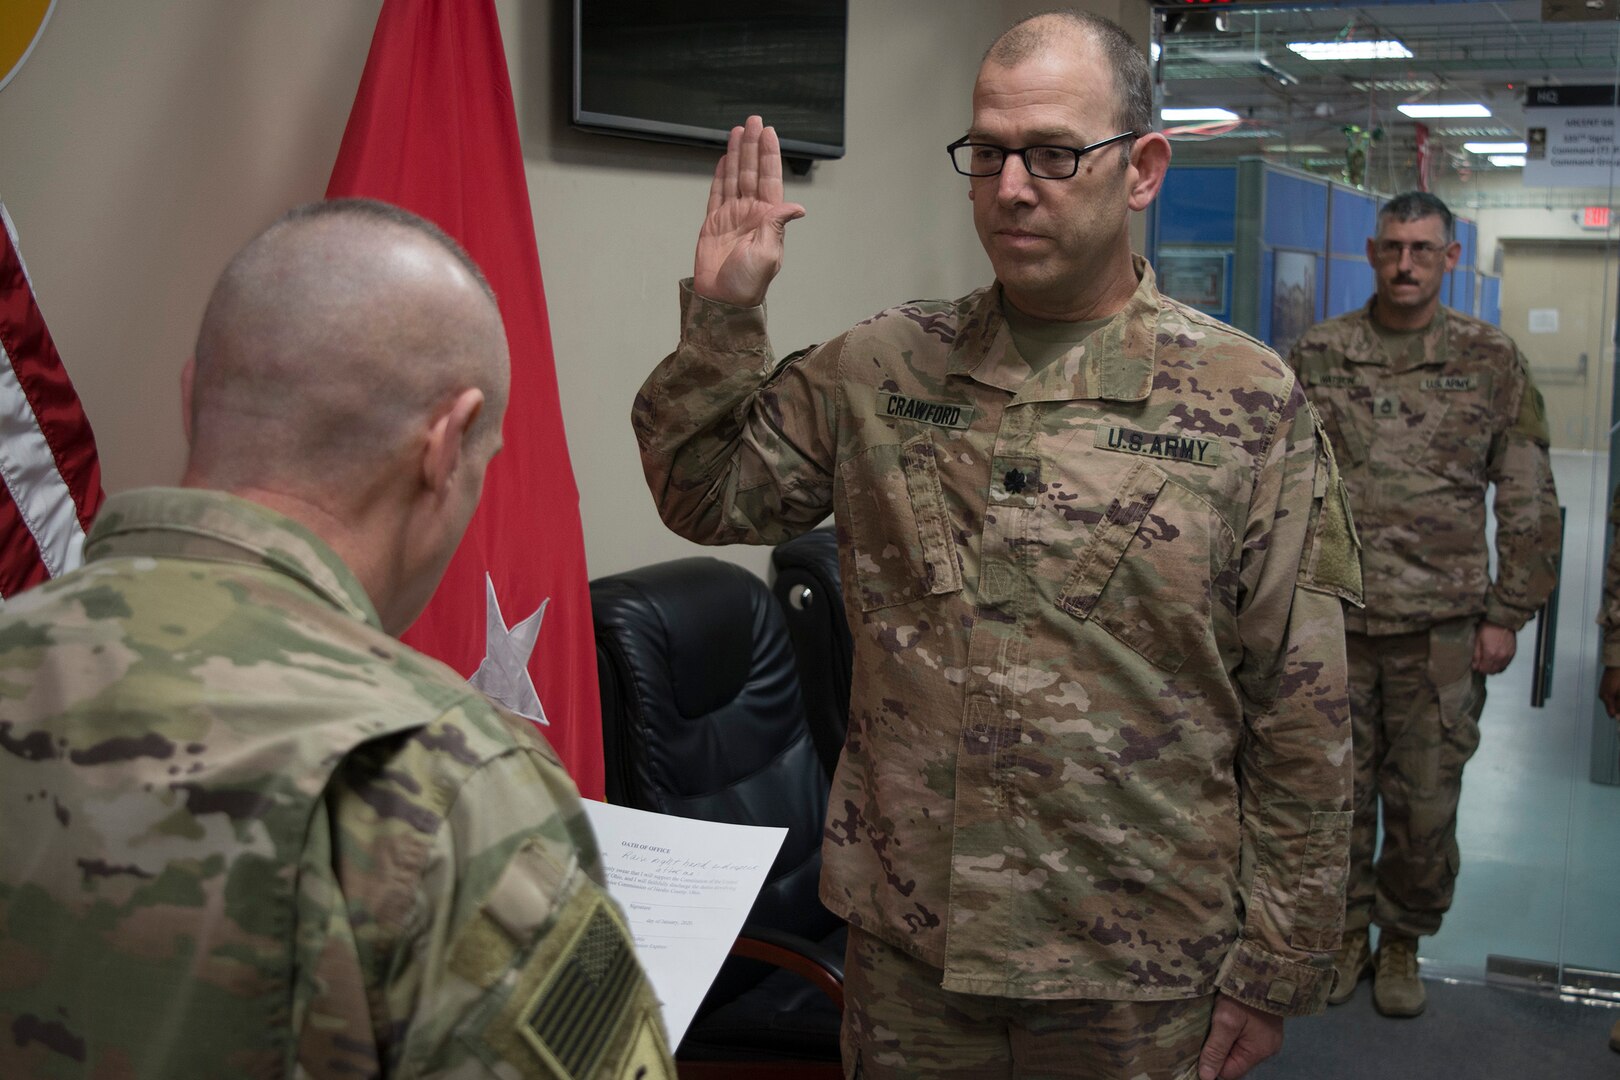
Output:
x,y
702,718
807,587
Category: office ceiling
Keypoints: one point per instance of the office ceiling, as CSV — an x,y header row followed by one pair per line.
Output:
x,y
1295,110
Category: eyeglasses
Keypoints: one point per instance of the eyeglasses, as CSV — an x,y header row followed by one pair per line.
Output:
x,y
1041,162
1422,250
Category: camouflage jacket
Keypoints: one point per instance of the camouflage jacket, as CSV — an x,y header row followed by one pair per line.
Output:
x,y
1418,442
1099,740
1609,614
245,833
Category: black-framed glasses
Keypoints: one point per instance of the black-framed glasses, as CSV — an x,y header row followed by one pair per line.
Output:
x,y
1042,162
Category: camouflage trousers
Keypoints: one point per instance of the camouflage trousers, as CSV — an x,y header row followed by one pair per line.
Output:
x,y
1415,702
900,1025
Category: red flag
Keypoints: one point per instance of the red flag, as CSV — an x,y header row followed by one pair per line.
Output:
x,y
433,130
48,460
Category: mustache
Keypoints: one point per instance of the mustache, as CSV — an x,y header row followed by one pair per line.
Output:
x,y
1403,279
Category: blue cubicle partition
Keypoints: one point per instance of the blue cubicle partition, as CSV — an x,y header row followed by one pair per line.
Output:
x,y
1490,300
1192,234
1272,250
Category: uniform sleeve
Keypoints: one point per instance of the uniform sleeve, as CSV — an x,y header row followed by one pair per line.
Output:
x,y
736,448
1528,530
482,939
1609,616
1295,763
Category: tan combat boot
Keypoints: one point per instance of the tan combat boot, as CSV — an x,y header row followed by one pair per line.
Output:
x,y
1397,990
1350,966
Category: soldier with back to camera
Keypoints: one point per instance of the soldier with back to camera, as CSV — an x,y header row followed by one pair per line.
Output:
x,y
244,831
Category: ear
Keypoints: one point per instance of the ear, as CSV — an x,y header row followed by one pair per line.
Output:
x,y
1453,253
1150,160
187,375
1372,256
447,439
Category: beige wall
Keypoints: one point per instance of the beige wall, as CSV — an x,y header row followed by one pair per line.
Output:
x,y
144,143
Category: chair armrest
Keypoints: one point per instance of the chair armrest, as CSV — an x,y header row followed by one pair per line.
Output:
x,y
805,958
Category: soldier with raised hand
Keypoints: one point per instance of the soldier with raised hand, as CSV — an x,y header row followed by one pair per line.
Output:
x,y
1426,407
244,831
1092,813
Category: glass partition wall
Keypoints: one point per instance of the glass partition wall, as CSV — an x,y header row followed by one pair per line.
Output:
x,y
1263,223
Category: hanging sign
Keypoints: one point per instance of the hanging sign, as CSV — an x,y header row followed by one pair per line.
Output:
x,y
1570,136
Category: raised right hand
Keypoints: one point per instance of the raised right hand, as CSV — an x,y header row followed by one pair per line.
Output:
x,y
739,248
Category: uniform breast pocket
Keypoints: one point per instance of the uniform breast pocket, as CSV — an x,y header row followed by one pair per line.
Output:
x,y
900,531
1146,574
1461,442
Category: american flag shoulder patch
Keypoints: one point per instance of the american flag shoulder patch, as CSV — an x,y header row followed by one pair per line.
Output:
x,y
587,1006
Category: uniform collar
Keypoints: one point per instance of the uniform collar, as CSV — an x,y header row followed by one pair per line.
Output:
x,y
191,523
1116,363
1368,347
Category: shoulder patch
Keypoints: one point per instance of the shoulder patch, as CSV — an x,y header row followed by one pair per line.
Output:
x,y
1332,561
580,1012
1532,419
570,999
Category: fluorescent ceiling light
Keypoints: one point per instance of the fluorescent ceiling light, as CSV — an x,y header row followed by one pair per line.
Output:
x,y
1427,112
1508,161
1198,114
1298,148
1495,147
1350,50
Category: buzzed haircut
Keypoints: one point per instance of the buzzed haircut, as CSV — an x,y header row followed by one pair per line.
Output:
x,y
1417,205
397,215
325,341
1033,35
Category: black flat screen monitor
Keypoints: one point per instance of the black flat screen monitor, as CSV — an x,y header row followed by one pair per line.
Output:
x,y
689,70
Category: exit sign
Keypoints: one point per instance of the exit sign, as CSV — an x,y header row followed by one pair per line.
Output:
x,y
1595,217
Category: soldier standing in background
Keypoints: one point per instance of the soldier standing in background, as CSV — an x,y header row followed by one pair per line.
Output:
x,y
243,830
1425,408
1091,816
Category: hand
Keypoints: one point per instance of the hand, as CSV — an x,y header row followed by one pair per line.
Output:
x,y
1240,1037
739,248
1494,647
1609,690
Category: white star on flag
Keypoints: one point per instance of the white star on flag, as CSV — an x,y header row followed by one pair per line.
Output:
x,y
504,673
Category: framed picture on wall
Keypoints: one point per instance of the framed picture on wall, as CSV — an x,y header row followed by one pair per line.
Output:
x,y
1293,297
1198,277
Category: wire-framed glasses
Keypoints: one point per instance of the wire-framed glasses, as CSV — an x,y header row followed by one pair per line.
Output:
x,y
1042,162
1423,251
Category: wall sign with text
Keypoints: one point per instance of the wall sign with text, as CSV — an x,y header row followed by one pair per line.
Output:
x,y
1571,136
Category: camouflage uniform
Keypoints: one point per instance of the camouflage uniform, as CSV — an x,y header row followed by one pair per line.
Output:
x,y
1098,638
243,832
1609,616
1419,436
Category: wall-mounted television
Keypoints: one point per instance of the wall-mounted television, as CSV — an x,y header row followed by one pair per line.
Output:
x,y
689,70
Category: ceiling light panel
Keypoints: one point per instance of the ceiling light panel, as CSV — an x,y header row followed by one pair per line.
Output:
x,y
1196,115
1425,111
1495,147
1350,50
1396,86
